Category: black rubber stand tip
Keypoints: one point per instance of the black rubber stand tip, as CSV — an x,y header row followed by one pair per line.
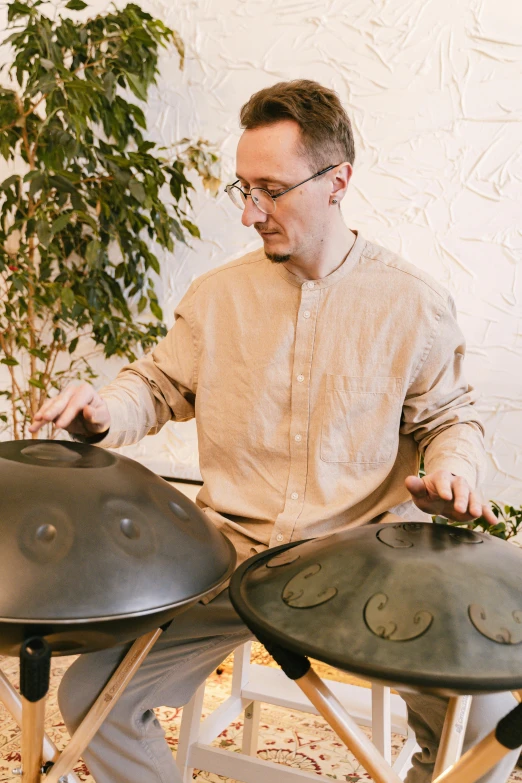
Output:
x,y
35,668
294,665
509,729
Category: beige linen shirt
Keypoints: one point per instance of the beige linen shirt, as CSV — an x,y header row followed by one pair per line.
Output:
x,y
313,399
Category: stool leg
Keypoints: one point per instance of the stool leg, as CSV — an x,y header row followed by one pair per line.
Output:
x,y
33,718
452,738
381,720
103,705
189,732
251,728
346,728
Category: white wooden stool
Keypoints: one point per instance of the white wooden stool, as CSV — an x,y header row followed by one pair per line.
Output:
x,y
252,685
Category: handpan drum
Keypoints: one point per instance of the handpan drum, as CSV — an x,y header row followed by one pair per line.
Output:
x,y
424,606
95,549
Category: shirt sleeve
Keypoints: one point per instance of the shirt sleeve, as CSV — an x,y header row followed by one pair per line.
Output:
x,y
158,388
439,409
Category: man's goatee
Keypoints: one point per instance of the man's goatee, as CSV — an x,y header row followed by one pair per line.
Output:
x,y
277,258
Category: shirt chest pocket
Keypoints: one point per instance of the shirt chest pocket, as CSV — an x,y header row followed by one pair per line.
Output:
x,y
361,419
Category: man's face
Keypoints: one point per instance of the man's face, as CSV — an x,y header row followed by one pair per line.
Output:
x,y
271,157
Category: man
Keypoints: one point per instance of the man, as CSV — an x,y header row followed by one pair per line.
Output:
x,y
317,369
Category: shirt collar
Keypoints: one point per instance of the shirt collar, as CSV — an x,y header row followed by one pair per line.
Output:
x,y
348,264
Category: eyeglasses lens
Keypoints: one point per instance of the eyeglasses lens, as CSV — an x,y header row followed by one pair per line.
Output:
x,y
261,199
236,196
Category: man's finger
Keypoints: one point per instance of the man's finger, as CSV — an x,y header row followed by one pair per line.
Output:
x,y
75,405
416,487
460,489
443,486
51,409
488,514
475,504
96,416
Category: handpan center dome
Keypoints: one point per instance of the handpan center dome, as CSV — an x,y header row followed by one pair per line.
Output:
x,y
95,541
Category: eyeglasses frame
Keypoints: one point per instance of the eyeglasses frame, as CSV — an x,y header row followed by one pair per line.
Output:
x,y
278,195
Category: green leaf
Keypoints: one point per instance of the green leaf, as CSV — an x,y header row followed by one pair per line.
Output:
x,y
37,383
76,5
137,190
92,252
67,297
191,228
10,361
138,86
43,231
73,345
47,64
18,9
142,304
60,223
156,310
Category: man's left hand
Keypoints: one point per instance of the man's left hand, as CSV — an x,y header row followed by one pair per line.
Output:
x,y
443,494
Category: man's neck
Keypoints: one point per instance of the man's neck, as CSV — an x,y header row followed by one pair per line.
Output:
x,y
324,260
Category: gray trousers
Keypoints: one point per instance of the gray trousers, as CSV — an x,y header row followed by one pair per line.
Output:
x,y
130,746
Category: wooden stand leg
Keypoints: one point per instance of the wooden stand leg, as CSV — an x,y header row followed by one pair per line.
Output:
x,y
33,718
13,703
103,705
452,737
475,762
345,727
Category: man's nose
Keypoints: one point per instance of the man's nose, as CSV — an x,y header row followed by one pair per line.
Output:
x,y
252,214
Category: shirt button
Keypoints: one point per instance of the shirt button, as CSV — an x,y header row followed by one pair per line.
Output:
x,y
294,496
306,314
310,284
298,438
279,537
300,378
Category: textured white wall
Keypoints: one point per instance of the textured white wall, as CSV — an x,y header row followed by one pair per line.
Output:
x,y
434,93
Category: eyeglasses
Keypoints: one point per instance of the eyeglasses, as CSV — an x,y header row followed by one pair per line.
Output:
x,y
261,197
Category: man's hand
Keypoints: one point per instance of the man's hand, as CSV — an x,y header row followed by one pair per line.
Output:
x,y
78,409
443,494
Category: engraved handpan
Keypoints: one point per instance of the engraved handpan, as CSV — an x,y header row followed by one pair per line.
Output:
x,y
96,549
428,607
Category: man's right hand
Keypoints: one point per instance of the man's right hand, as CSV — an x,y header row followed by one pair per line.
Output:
x,y
79,409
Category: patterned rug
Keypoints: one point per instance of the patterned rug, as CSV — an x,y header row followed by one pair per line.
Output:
x,y
294,739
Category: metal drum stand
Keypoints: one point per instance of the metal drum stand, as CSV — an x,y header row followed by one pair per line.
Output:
x,y
417,606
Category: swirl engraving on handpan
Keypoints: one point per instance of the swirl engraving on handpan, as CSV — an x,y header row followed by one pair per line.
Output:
x,y
398,536
387,625
283,558
495,628
304,591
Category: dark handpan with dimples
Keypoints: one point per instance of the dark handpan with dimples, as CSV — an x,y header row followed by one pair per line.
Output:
x,y
429,607
95,549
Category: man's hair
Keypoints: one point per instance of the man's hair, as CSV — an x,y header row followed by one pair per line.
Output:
x,y
326,132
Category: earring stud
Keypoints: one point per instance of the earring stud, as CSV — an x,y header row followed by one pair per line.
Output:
x,y
334,201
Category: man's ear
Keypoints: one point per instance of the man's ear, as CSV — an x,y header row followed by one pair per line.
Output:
x,y
340,180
